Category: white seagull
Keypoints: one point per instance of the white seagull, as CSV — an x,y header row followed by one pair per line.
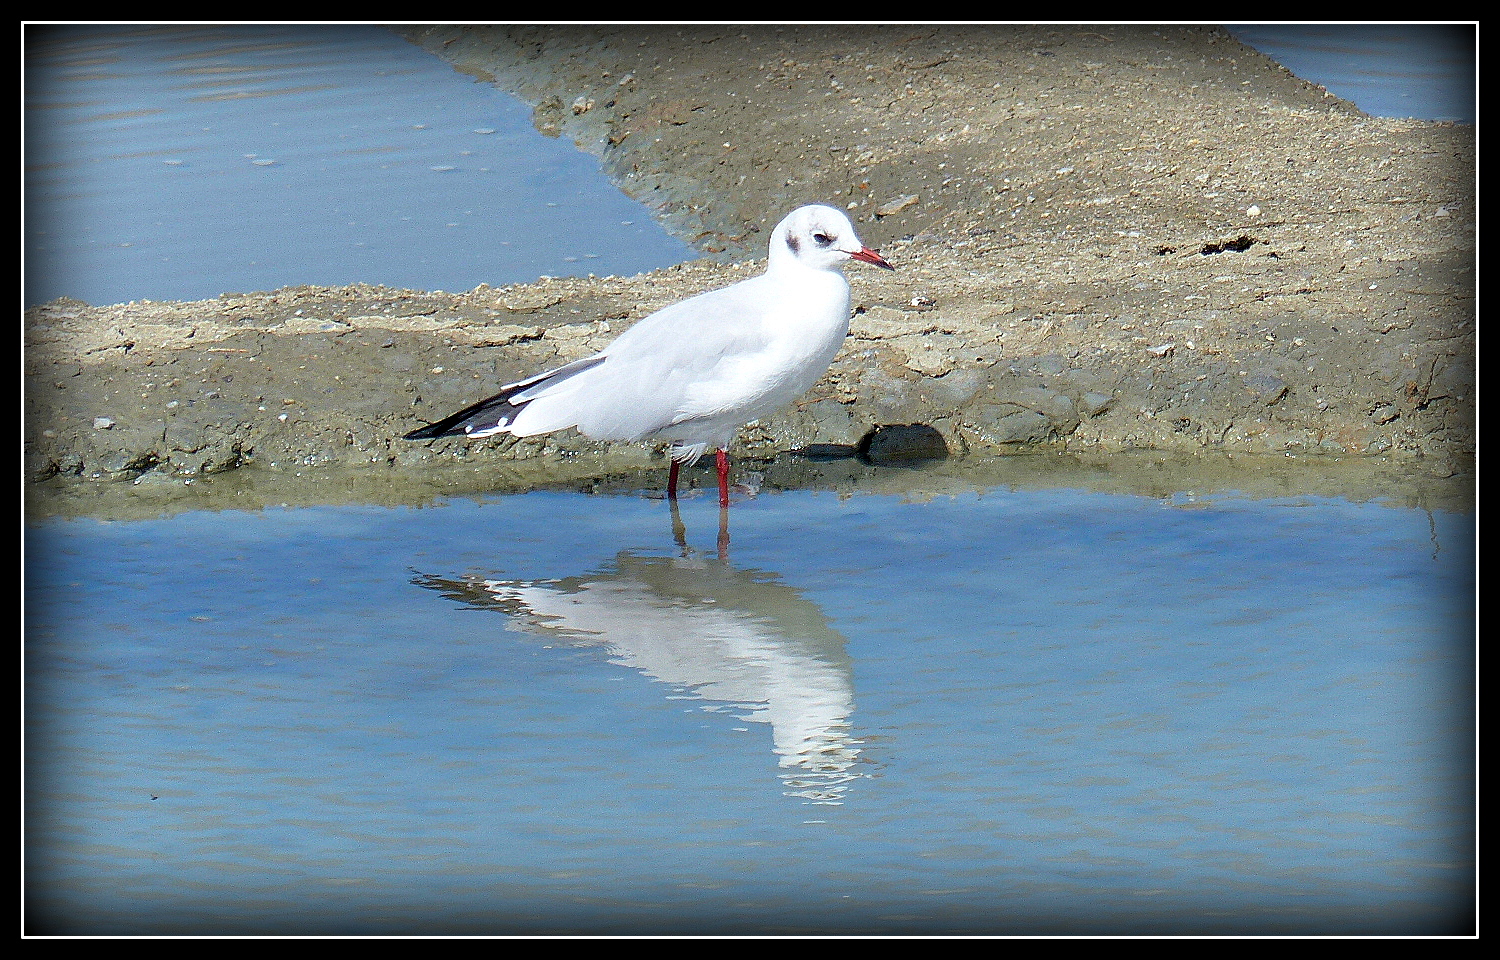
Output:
x,y
695,372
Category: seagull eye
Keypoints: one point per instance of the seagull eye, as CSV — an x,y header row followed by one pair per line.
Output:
x,y
822,239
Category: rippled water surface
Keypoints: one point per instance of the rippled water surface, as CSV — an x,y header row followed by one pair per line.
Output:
x,y
999,711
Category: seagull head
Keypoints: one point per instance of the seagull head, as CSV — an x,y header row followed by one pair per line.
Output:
x,y
819,237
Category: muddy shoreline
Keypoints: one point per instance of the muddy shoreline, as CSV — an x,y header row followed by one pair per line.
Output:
x,y
1115,245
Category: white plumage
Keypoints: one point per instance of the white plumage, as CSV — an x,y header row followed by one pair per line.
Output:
x,y
694,372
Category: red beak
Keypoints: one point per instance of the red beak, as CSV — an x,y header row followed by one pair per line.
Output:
x,y
867,255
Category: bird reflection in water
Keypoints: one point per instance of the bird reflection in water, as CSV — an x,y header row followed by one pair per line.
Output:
x,y
739,640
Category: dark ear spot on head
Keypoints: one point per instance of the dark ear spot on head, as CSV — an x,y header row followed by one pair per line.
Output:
x,y
791,241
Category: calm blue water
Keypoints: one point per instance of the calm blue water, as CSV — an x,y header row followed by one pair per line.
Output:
x,y
179,163
1426,71
997,712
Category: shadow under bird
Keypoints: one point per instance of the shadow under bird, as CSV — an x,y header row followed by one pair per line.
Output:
x,y
696,371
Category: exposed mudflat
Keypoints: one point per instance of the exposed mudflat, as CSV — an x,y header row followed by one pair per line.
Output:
x,y
1114,245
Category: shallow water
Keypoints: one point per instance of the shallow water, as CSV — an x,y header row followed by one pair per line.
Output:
x,y
1422,70
182,162
992,711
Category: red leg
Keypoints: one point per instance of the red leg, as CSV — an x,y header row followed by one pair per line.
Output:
x,y
672,482
723,477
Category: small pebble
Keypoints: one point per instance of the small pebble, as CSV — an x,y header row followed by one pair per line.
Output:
x,y
896,205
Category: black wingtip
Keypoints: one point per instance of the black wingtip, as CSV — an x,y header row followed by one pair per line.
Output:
x,y
499,410
453,426
449,426
485,414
